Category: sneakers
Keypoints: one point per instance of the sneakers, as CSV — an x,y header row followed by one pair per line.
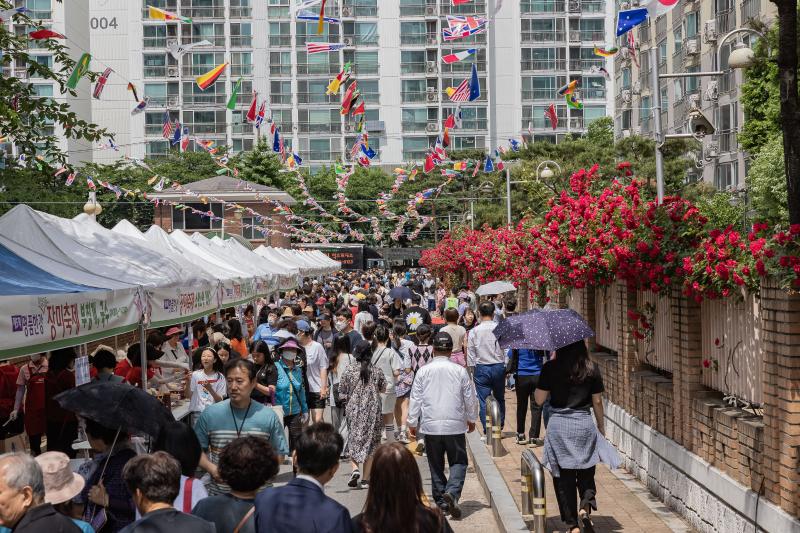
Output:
x,y
452,505
402,437
537,442
353,483
522,439
421,447
364,484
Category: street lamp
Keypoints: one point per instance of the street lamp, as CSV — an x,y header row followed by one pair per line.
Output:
x,y
91,207
546,173
741,57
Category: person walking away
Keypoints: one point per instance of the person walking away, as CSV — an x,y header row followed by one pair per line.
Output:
x,y
290,392
266,374
174,353
302,505
396,499
363,316
419,355
488,363
205,386
316,370
30,386
573,445
337,366
237,339
180,441
416,315
237,416
362,385
452,302
443,408
105,362
22,492
459,335
526,366
62,425
403,347
153,481
389,362
246,465
60,486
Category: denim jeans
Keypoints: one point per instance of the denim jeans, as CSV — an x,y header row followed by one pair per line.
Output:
x,y
491,379
454,447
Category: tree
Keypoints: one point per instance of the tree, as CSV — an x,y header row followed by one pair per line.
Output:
x,y
260,165
27,119
766,182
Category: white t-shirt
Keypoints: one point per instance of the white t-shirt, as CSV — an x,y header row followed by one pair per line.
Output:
x,y
388,361
362,317
405,352
174,355
201,398
316,361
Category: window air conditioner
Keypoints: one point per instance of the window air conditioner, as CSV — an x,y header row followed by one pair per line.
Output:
x,y
347,12
432,97
430,67
430,11
348,41
172,72
432,127
710,31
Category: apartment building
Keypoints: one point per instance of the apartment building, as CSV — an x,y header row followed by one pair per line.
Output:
x,y
73,21
687,40
395,49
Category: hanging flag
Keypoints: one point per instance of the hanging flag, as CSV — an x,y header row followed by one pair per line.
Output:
x,y
460,165
594,69
358,110
457,22
176,137
101,83
474,85
573,102
81,68
70,179
166,130
459,2
458,56
45,34
276,143
460,93
132,88
297,159
460,33
369,152
550,113
207,80
500,165
321,23
262,111
318,48
515,146
488,166
251,113
303,4
450,122
458,117
630,18
605,52
178,50
90,183
159,14
632,48
347,100
336,83
308,15
656,8
568,88
429,165
234,94
185,138
140,106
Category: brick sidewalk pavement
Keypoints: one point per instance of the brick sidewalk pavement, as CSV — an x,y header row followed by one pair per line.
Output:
x,y
623,503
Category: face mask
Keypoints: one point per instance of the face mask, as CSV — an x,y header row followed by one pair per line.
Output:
x,y
36,357
288,356
341,325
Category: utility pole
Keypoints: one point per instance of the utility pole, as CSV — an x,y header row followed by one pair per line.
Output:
x,y
655,91
491,54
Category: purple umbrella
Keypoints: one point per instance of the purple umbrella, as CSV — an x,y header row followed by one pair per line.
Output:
x,y
547,329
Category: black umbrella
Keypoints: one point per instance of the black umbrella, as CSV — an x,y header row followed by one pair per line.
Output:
x,y
117,405
400,293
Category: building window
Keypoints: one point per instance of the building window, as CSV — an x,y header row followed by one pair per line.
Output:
x,y
362,61
189,220
725,176
42,91
40,9
662,53
319,149
155,66
592,113
363,33
249,233
415,148
157,148
157,92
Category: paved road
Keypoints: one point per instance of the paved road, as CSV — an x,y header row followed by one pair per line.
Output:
x,y
477,515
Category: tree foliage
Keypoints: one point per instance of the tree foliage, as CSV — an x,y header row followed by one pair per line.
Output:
x,y
766,181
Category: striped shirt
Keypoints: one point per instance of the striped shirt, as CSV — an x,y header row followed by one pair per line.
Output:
x,y
216,427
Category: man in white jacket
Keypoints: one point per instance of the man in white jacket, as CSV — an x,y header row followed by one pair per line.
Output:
x,y
444,408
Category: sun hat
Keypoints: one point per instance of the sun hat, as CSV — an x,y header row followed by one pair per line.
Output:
x,y
287,313
61,484
290,344
443,341
174,330
308,309
321,301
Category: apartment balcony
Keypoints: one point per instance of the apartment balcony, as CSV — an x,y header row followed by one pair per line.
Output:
x,y
215,40
277,12
576,123
463,67
204,99
153,129
280,99
351,11
414,155
241,12
280,70
154,42
535,7
538,94
476,124
241,70
204,12
589,7
239,129
359,40
419,9
418,127
280,40
544,64
320,155
161,101
195,70
366,69
415,97
317,98
726,20
319,127
585,65
159,71
586,36
318,69
543,36
40,14
212,128
421,39
413,68
470,8
728,142
241,41
542,123
589,93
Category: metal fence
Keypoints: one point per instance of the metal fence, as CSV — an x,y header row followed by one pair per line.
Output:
x,y
656,348
607,317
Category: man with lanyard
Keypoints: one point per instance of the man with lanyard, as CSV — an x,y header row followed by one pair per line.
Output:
x,y
174,353
486,361
31,377
235,417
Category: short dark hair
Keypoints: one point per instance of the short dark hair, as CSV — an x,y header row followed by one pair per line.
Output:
x,y
341,344
247,463
157,476
345,312
180,441
104,359
99,431
486,309
318,449
244,364
451,314
415,298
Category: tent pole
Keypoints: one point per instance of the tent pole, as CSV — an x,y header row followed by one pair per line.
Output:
x,y
143,353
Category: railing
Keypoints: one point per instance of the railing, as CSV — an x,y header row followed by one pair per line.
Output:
x,y
280,70
280,40
277,12
593,93
726,20
155,72
607,316
585,64
474,124
319,156
414,96
413,68
362,11
319,127
203,99
241,12
727,141
359,40
540,123
416,10
366,69
195,70
592,7
207,128
207,12
414,155
242,41
543,36
494,431
153,129
463,66
318,68
40,14
280,99
241,70
154,42
215,40
534,497
576,123
157,101
317,98
544,64
537,94
242,128
656,347
416,38
470,8
592,36
415,126
541,6
751,9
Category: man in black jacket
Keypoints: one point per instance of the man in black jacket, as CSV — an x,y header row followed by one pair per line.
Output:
x,y
154,481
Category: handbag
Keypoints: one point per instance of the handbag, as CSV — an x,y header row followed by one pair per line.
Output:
x,y
244,519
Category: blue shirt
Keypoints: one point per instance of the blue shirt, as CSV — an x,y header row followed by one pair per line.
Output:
x,y
85,528
262,332
290,392
530,362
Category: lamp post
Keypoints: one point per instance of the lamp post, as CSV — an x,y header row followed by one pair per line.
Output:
x,y
547,173
741,57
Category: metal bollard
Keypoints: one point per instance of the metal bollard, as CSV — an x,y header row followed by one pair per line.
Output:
x,y
494,431
533,495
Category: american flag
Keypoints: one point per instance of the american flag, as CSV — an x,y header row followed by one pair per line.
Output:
x,y
317,48
167,131
461,94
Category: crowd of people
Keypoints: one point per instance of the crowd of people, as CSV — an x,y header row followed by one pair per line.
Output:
x,y
363,369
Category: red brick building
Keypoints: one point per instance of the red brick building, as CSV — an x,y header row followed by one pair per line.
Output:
x,y
234,223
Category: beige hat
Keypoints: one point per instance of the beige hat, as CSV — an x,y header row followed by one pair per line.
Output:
x,y
287,313
61,484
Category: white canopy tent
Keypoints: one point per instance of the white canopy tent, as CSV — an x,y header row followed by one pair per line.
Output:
x,y
284,276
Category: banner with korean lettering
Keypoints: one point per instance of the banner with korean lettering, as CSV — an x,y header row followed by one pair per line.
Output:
x,y
44,322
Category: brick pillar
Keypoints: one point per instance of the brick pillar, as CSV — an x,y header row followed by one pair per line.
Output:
x,y
587,311
780,314
523,297
687,356
626,299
